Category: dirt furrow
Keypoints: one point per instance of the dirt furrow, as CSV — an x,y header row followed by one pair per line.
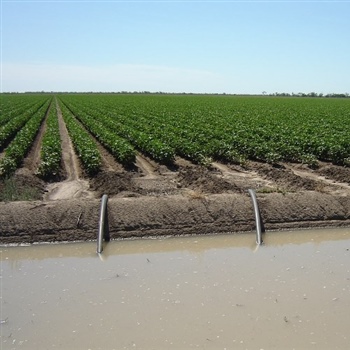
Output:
x,y
73,186
147,167
331,183
242,178
108,161
70,160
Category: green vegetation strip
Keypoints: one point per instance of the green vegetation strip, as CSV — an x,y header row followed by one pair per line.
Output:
x,y
20,145
16,122
201,128
140,137
228,128
12,105
51,153
106,135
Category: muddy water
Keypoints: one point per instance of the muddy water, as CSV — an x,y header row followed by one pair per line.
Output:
x,y
212,292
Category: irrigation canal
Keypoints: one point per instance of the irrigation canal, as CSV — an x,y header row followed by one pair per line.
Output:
x,y
208,292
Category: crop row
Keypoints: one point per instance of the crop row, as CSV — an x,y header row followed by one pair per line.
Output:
x,y
162,136
199,128
117,146
18,148
14,111
13,105
84,145
139,138
16,122
225,127
51,152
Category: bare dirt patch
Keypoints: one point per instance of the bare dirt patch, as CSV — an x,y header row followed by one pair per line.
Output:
x,y
204,180
153,179
334,172
147,167
244,177
71,164
109,164
114,183
78,188
327,184
284,177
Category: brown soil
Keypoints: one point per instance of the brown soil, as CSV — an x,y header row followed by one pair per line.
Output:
x,y
285,178
71,164
154,199
182,200
206,181
114,183
337,173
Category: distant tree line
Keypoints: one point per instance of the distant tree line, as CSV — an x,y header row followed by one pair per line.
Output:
x,y
264,93
310,94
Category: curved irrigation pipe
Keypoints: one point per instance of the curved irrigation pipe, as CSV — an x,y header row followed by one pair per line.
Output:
x,y
103,228
257,217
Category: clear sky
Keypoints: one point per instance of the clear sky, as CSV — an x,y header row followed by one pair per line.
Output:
x,y
176,46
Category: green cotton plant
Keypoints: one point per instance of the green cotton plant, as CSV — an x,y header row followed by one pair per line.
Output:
x,y
8,166
16,105
224,128
11,128
51,153
20,145
310,160
120,148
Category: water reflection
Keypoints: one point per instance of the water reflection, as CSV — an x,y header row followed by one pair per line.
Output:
x,y
195,244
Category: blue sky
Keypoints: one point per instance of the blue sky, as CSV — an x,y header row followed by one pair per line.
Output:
x,y
176,46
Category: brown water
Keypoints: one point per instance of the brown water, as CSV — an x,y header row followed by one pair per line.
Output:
x,y
206,292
